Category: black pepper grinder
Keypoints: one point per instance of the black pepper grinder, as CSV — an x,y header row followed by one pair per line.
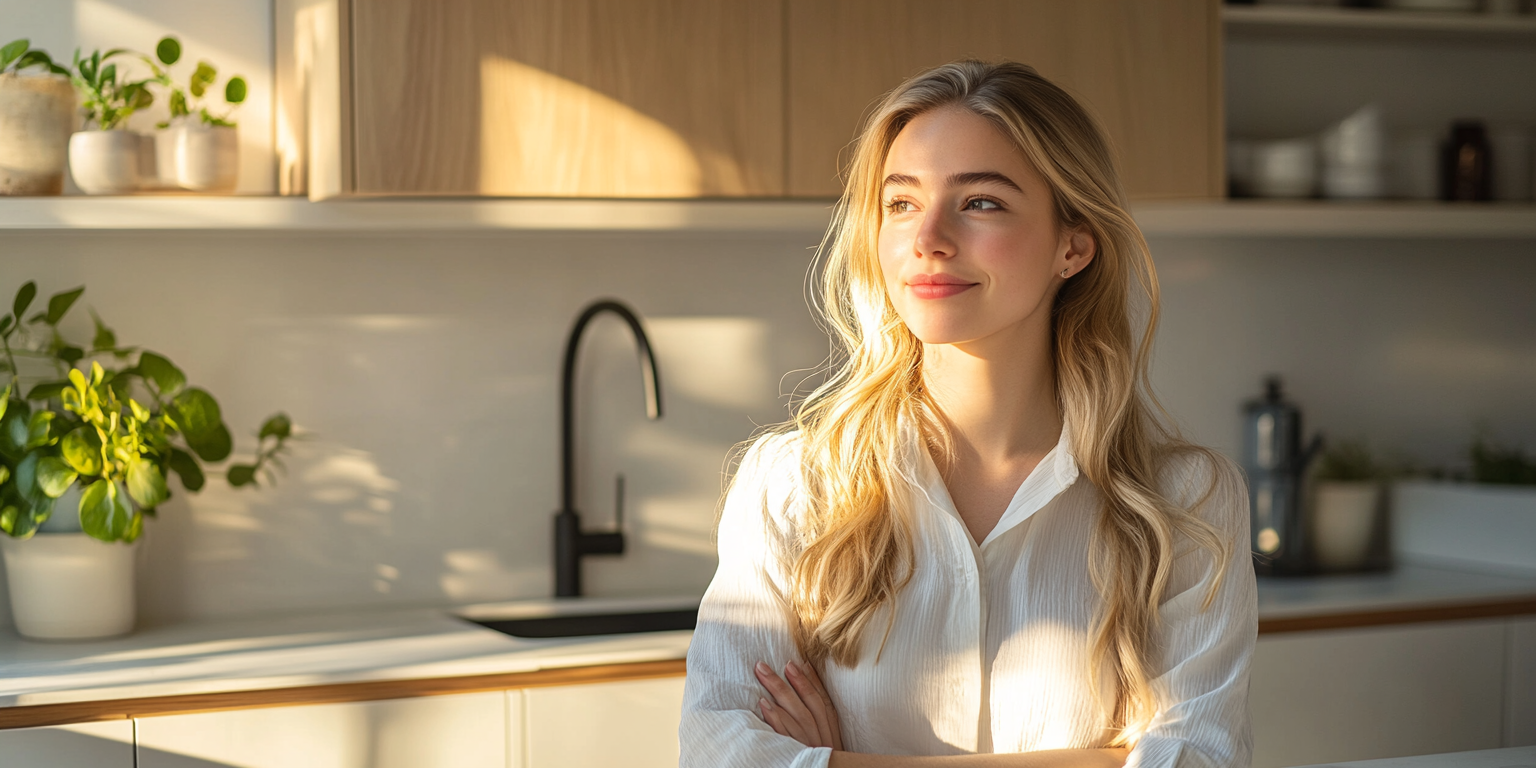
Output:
x,y
1465,173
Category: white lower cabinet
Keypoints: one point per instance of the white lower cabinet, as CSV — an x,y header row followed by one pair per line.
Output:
x,y
1520,692
601,725
1360,694
458,731
86,745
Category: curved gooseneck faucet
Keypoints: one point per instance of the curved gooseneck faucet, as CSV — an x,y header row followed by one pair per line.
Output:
x,y
571,543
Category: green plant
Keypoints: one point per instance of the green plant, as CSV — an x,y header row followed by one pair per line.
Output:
x,y
1349,461
1501,465
118,432
168,52
19,54
109,101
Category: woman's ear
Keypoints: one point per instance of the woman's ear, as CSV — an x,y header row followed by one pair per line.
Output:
x,y
1078,247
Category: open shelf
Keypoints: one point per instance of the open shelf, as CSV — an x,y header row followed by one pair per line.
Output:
x,y
1216,218
1291,21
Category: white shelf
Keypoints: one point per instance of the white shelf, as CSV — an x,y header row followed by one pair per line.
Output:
x,y
1236,218
1387,24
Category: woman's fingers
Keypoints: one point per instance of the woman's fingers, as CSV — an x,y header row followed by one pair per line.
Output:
x,y
818,706
821,690
794,715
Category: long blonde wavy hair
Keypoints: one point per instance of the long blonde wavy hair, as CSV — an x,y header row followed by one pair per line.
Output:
x,y
854,548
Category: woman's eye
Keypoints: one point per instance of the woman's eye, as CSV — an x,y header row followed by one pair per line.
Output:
x,y
898,206
981,204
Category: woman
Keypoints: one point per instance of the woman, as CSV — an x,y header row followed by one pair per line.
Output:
x,y
975,532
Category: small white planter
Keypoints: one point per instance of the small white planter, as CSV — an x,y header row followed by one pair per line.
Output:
x,y
105,162
1343,519
201,158
1490,527
37,113
69,586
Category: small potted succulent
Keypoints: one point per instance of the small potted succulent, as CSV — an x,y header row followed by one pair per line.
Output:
x,y
1346,505
197,148
86,450
104,157
37,114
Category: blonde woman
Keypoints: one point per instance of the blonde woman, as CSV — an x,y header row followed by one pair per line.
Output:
x,y
974,544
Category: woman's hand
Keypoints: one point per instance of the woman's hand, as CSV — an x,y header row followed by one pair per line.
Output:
x,y
801,708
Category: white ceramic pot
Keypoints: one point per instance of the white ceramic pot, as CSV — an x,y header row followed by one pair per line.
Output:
x,y
1343,517
202,158
105,162
69,586
1285,168
37,113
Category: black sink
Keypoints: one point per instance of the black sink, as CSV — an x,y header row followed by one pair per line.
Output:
x,y
583,624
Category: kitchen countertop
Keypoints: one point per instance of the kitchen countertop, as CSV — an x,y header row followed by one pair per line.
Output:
x,y
1513,757
338,649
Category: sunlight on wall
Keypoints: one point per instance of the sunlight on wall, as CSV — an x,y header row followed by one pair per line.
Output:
x,y
545,135
721,361
1453,358
475,575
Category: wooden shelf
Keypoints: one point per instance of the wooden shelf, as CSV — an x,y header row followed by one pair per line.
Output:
x,y
1383,24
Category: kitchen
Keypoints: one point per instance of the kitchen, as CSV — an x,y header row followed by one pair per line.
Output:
x,y
416,341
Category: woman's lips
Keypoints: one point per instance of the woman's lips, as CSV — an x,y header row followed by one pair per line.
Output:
x,y
937,286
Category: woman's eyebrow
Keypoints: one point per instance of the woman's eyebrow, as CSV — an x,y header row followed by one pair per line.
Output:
x,y
955,179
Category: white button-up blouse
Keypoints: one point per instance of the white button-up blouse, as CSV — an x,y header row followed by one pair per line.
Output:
x,y
990,647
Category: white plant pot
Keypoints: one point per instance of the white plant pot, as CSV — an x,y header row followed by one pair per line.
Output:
x,y
201,158
37,113
1343,518
1485,527
105,162
69,586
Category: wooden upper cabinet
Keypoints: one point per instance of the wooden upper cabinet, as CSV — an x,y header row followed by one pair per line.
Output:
x,y
1149,70
584,98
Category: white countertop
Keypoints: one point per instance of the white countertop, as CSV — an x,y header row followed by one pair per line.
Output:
x,y
291,651
1513,757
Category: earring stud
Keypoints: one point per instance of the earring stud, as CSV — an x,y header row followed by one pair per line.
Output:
x,y
1065,271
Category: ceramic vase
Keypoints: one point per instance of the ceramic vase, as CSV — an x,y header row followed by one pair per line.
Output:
x,y
105,162
36,116
198,157
1343,518
69,586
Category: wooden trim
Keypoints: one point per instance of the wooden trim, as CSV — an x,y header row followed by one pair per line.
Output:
x,y
1520,606
119,709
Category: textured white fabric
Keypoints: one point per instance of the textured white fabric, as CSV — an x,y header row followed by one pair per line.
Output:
x,y
990,646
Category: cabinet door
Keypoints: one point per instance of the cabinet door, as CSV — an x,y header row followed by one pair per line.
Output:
x,y
1149,69
593,98
460,731
1362,694
88,745
1520,699
633,723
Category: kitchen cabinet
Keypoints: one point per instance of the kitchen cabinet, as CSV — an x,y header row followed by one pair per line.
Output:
x,y
85,745
632,723
455,731
1360,694
1520,702
1148,69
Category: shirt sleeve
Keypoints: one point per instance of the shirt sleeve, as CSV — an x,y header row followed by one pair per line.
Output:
x,y
741,622
1203,654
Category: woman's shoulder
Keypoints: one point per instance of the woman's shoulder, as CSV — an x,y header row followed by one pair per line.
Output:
x,y
1204,482
769,472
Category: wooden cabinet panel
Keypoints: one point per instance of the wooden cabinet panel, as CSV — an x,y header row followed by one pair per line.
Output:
x,y
1361,694
632,724
1520,688
1149,69
88,745
459,731
592,98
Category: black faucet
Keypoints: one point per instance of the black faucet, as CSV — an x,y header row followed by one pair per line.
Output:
x,y
570,541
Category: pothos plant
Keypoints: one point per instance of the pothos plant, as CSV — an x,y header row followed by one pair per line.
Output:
x,y
19,55
184,102
117,431
110,97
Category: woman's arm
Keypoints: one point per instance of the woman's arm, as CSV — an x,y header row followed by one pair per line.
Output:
x,y
1045,758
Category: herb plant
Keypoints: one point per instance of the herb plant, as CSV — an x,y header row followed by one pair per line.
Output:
x,y
18,55
116,430
187,101
1349,461
1501,465
109,99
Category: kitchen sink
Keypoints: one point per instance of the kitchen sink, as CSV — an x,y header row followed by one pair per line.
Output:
x,y
582,617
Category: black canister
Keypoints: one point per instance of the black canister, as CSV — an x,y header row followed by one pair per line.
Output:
x,y
1276,463
1465,171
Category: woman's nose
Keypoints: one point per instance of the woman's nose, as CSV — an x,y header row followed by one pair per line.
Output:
x,y
935,236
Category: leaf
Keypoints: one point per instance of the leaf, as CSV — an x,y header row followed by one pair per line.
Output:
x,y
105,339
109,73
82,450
17,522
5,324
5,474
145,483
202,77
12,51
212,446
104,513
47,390
5,401
27,486
242,474
70,355
24,299
234,90
187,469
13,429
38,427
168,50
178,104
60,304
35,59
277,425
54,476
167,377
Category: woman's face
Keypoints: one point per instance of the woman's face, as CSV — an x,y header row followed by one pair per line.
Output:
x,y
969,245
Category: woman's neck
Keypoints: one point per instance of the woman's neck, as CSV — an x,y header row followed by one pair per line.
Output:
x,y
997,395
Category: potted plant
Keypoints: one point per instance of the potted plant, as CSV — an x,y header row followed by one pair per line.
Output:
x,y
85,455
104,157
1346,505
37,114
1481,515
196,149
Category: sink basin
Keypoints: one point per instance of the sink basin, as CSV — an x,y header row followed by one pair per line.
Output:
x,y
583,617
